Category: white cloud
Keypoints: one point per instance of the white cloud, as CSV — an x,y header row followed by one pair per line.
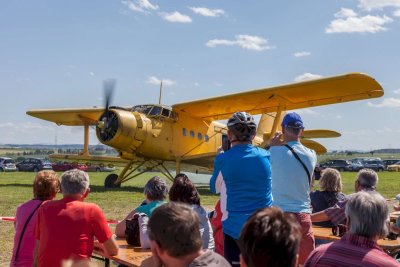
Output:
x,y
396,91
100,98
245,41
302,54
7,124
358,132
388,102
218,84
196,84
175,17
349,22
385,130
377,4
140,6
307,76
345,13
338,117
207,12
305,111
91,74
396,13
67,74
154,80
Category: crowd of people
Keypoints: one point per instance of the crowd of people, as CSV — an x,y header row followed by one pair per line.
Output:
x,y
263,217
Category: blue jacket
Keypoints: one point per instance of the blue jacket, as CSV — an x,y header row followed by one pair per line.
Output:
x,y
242,176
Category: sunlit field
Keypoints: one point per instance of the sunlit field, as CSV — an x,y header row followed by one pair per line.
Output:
x,y
16,188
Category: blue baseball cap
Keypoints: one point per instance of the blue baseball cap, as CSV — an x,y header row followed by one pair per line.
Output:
x,y
292,117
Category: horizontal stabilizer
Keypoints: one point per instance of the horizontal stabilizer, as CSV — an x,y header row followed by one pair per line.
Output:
x,y
317,147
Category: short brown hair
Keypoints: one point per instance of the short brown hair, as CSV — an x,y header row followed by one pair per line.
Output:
x,y
330,180
46,184
184,190
175,228
270,237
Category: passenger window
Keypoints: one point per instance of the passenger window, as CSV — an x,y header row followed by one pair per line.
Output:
x,y
184,132
165,112
206,138
191,134
155,111
146,109
199,136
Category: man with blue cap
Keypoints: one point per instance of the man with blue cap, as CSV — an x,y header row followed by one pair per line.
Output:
x,y
292,167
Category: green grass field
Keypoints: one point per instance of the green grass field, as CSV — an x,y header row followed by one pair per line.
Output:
x,y
16,188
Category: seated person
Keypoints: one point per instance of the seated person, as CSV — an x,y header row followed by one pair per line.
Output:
x,y
175,239
65,228
216,224
367,180
367,221
184,190
396,227
155,190
270,237
330,194
45,187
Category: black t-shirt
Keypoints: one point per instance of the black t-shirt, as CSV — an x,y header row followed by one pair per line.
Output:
x,y
321,200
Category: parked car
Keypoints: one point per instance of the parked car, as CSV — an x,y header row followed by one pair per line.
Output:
x,y
358,160
394,167
355,167
97,168
63,166
7,165
388,162
338,164
376,165
34,164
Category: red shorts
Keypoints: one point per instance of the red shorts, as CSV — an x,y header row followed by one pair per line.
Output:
x,y
307,242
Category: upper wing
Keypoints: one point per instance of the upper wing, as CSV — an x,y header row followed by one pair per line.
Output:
x,y
309,134
69,116
318,92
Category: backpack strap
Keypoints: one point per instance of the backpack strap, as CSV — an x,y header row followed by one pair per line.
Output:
x,y
23,231
298,158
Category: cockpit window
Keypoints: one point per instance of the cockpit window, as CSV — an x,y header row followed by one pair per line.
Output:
x,y
155,111
165,112
137,108
146,109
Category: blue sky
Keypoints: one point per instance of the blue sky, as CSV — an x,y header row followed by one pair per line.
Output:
x,y
54,54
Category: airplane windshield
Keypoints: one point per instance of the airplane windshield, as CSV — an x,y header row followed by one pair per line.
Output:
x,y
146,109
155,111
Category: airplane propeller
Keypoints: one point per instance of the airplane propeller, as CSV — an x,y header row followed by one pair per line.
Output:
x,y
108,121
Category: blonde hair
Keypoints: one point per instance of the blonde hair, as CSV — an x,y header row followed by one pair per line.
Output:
x,y
330,180
45,184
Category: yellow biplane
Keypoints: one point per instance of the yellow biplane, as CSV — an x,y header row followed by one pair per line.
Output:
x,y
188,134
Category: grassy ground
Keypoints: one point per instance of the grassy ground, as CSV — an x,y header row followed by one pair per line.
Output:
x,y
16,188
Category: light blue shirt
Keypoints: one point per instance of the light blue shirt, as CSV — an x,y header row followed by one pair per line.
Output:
x,y
290,186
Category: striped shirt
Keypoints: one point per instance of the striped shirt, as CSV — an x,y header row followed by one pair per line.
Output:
x,y
351,250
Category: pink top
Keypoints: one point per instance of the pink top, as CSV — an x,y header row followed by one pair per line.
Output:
x,y
28,242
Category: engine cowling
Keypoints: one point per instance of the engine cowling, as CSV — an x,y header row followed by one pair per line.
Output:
x,y
122,130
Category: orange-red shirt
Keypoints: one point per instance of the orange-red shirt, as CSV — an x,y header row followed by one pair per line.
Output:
x,y
218,235
65,229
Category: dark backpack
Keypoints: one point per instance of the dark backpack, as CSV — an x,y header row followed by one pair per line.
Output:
x,y
132,234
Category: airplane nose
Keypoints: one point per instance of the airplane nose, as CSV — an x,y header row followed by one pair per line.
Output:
x,y
107,126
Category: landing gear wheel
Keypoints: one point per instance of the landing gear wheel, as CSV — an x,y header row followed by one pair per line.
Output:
x,y
110,179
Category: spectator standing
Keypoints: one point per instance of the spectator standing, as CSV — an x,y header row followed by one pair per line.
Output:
x,y
242,176
216,224
291,178
184,190
155,190
367,220
270,237
65,228
367,180
330,194
175,239
45,187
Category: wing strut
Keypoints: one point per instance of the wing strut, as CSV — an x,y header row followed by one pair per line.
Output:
x,y
85,151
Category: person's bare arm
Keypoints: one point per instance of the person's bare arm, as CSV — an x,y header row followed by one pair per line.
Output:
x,y
111,246
312,181
276,140
35,254
121,226
319,217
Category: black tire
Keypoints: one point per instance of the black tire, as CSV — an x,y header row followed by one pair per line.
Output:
x,y
110,179
98,170
341,169
380,170
1,170
35,169
18,170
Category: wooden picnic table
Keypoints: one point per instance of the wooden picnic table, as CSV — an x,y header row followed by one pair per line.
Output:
x,y
391,247
393,216
128,255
